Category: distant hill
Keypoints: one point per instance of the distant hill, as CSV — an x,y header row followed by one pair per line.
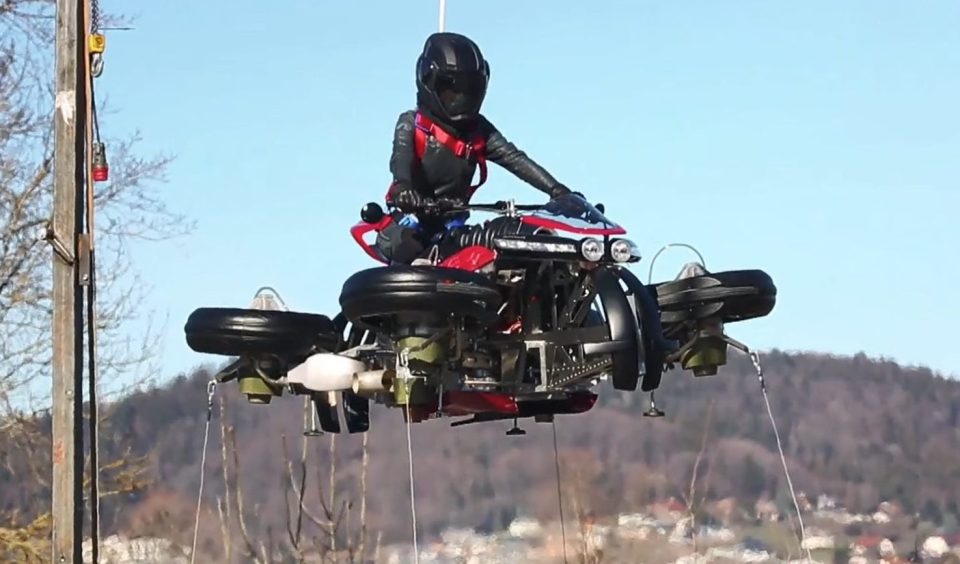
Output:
x,y
861,430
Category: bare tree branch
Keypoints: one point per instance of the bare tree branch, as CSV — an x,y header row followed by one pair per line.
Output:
x,y
363,497
238,494
691,499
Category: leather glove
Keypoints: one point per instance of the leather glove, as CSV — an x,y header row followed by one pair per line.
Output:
x,y
440,206
444,202
409,200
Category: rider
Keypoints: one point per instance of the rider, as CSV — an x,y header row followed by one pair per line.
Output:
x,y
437,149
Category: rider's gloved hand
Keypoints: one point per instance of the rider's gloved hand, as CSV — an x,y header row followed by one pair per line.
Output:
x,y
440,205
445,204
409,200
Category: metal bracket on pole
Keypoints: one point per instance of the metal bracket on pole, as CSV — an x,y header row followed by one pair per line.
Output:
x,y
83,248
49,235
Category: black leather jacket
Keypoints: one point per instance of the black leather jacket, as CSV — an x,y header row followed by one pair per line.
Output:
x,y
441,174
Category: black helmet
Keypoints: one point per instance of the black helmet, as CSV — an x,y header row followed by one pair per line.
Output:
x,y
452,77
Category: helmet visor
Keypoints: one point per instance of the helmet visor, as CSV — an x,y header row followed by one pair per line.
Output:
x,y
461,93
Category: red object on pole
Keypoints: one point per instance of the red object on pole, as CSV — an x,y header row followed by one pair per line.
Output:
x,y
101,171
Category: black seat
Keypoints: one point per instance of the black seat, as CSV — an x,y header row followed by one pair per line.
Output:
x,y
381,291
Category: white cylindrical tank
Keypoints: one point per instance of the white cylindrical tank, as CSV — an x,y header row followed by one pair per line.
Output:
x,y
326,372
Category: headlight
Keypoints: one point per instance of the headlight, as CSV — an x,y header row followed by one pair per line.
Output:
x,y
534,246
621,250
591,249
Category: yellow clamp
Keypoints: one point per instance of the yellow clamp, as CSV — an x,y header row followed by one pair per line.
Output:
x,y
97,43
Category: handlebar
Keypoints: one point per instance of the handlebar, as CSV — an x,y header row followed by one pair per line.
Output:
x,y
501,206
372,212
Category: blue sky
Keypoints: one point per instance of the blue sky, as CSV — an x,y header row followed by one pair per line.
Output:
x,y
819,141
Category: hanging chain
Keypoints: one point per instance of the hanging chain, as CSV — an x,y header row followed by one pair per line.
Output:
x,y
755,359
96,58
94,16
211,388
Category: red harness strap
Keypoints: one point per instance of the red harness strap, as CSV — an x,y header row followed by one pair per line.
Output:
x,y
459,147
425,128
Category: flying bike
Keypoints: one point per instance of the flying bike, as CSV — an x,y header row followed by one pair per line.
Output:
x,y
527,326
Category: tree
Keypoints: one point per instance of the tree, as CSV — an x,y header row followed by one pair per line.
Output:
x,y
317,524
129,207
753,478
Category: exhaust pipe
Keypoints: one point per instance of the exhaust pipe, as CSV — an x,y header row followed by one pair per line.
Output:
x,y
373,381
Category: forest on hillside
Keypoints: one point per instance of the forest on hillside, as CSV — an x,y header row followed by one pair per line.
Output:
x,y
860,430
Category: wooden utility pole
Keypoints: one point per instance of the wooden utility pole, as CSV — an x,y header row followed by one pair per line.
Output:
x,y
67,416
